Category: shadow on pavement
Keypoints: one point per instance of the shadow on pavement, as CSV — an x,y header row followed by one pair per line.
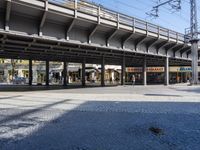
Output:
x,y
166,95
25,88
192,89
101,125
31,111
10,97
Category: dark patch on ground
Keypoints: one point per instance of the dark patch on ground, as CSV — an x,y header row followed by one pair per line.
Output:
x,y
156,131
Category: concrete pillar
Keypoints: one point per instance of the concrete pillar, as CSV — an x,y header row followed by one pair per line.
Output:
x,y
83,73
47,73
123,73
67,73
167,71
64,73
145,72
30,72
103,72
195,77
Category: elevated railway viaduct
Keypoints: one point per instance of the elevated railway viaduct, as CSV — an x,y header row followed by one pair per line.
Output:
x,y
76,31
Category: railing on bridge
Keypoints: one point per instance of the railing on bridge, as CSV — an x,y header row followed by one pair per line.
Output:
x,y
96,10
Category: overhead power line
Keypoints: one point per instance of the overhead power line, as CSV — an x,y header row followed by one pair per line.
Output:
x,y
192,33
174,5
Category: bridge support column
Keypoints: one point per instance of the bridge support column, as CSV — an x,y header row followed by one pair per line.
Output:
x,y
145,72
195,76
47,73
103,71
64,73
30,72
167,71
83,73
67,73
123,73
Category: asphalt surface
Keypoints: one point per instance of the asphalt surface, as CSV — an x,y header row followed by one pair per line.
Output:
x,y
110,118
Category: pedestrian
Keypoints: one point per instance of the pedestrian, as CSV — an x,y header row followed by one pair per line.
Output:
x,y
133,80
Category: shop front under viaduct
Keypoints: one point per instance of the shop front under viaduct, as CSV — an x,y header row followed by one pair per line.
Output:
x,y
80,32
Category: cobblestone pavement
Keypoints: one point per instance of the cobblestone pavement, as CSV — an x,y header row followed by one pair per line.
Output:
x,y
109,118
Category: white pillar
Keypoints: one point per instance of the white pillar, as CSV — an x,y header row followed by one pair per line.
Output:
x,y
123,71
103,72
167,71
145,72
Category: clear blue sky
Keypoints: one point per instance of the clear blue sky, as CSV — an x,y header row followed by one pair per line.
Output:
x,y
177,21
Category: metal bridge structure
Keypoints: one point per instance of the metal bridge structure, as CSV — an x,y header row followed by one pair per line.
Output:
x,y
81,32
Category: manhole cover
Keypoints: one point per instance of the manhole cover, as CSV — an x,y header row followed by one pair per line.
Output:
x,y
156,130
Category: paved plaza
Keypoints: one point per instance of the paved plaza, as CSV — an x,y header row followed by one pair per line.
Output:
x,y
96,118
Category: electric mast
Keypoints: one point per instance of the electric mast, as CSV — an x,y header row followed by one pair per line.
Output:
x,y
194,41
192,34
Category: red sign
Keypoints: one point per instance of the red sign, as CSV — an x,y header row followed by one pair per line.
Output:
x,y
155,69
134,69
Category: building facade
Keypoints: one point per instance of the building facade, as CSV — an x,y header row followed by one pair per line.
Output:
x,y
17,72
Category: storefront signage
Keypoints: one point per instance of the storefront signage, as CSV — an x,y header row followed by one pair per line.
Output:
x,y
155,69
159,69
182,69
185,69
134,69
140,69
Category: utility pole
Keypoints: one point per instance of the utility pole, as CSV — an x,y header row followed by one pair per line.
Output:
x,y
192,34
